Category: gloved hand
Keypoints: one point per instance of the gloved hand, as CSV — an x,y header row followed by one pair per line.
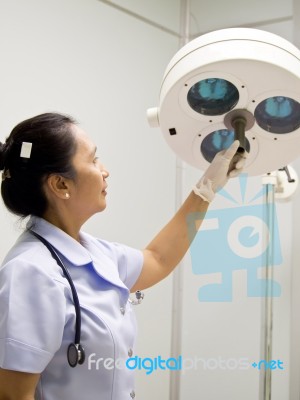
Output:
x,y
226,164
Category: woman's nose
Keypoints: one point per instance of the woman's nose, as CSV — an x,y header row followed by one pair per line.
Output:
x,y
105,173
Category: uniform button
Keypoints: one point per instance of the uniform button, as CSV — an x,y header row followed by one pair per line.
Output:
x,y
122,309
132,394
130,352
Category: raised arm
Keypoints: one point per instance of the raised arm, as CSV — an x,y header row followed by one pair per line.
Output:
x,y
166,250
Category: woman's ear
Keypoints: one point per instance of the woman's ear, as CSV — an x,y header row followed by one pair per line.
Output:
x,y
58,186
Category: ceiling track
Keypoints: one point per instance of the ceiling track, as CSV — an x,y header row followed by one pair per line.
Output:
x,y
256,24
154,24
141,18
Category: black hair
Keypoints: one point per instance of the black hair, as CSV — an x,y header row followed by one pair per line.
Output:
x,y
53,147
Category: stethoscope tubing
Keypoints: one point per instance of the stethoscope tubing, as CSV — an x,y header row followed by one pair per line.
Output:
x,y
71,283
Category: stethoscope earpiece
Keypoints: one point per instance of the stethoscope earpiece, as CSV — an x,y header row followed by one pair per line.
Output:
x,y
76,354
139,297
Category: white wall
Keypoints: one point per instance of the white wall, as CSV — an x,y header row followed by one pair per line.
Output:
x,y
104,67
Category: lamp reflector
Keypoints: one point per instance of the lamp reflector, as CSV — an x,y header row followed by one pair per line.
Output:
x,y
217,141
278,114
213,96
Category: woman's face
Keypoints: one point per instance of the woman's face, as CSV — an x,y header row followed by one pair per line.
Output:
x,y
88,189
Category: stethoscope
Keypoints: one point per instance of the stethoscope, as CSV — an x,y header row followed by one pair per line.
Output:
x,y
76,353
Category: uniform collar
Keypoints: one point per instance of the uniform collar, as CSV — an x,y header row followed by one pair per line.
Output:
x,y
61,241
74,252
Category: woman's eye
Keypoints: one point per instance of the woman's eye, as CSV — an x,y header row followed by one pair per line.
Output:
x,y
95,160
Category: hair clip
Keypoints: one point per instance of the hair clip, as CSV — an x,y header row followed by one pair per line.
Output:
x,y
26,150
6,174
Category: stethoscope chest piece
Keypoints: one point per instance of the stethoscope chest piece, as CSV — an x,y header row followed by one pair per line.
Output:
x,y
76,354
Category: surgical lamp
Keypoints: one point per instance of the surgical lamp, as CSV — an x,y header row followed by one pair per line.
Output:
x,y
243,84
232,83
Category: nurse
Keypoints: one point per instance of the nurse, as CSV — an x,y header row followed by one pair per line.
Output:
x,y
51,174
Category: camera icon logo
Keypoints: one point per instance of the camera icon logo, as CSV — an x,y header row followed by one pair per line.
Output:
x,y
231,239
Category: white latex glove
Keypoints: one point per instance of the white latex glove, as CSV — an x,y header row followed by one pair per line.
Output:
x,y
226,164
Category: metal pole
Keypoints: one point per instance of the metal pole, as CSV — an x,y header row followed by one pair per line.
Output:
x,y
265,384
294,348
295,296
177,300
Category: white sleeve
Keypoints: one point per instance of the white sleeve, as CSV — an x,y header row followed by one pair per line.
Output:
x,y
32,316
